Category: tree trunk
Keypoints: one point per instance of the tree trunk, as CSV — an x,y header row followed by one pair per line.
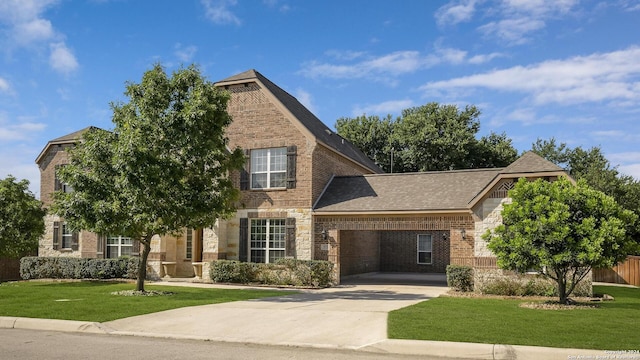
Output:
x,y
142,264
562,289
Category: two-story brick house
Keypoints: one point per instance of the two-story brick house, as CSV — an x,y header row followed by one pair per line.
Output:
x,y
307,193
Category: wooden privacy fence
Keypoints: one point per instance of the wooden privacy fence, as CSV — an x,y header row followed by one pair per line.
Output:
x,y
627,272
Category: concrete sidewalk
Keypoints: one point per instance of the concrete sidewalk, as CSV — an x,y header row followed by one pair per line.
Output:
x,y
352,316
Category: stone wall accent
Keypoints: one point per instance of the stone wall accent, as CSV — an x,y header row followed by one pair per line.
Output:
x,y
489,215
303,229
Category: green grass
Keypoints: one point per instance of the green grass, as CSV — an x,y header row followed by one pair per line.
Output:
x,y
496,321
93,301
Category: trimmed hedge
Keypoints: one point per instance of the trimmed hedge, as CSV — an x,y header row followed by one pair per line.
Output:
x,y
460,278
291,272
34,267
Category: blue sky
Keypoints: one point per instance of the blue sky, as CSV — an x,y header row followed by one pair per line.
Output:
x,y
567,69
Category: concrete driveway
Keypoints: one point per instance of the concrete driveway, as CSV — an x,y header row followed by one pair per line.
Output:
x,y
352,315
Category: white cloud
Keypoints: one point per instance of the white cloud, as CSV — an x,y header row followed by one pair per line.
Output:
x,y
62,59
631,170
625,157
511,21
28,28
21,131
484,58
4,86
455,12
513,31
613,76
218,11
387,66
185,54
383,108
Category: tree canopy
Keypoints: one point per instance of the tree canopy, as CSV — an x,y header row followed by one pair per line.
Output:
x,y
21,219
560,230
164,167
431,137
593,167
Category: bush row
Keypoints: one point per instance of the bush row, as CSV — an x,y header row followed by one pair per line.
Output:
x,y
78,268
303,273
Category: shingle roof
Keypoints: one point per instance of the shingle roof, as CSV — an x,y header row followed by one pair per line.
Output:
x,y
64,139
530,162
427,191
321,132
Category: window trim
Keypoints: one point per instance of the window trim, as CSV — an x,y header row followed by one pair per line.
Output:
x,y
268,170
188,243
430,251
66,237
118,246
268,238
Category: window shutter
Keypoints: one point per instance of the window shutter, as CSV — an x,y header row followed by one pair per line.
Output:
x,y
101,247
244,173
290,237
244,239
74,241
291,166
56,235
135,250
57,184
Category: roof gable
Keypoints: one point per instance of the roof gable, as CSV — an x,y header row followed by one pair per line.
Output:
x,y
314,127
64,139
530,162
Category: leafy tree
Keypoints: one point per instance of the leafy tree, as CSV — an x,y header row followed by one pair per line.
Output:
x,y
593,167
561,230
372,135
165,166
22,216
428,138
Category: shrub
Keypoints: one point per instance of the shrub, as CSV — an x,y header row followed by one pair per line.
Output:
x,y
303,273
460,278
523,285
77,268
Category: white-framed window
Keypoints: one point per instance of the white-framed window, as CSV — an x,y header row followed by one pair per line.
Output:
x,y
267,240
119,246
67,236
424,249
269,168
188,253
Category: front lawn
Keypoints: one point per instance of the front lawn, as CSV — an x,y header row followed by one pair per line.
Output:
x,y
503,321
93,301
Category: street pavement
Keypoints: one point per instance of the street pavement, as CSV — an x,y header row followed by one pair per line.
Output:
x,y
350,316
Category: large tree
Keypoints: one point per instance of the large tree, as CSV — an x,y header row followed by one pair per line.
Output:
x,y
22,219
164,167
592,166
562,230
431,137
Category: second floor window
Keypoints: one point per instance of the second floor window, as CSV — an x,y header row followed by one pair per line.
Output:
x,y
269,168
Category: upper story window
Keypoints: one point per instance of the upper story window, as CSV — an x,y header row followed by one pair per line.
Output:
x,y
59,185
271,168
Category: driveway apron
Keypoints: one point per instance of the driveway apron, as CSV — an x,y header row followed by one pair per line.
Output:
x,y
349,316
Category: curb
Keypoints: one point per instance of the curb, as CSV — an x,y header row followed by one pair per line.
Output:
x,y
53,325
460,350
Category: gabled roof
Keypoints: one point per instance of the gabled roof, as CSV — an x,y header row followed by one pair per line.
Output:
x,y
438,191
530,162
427,191
306,118
65,139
